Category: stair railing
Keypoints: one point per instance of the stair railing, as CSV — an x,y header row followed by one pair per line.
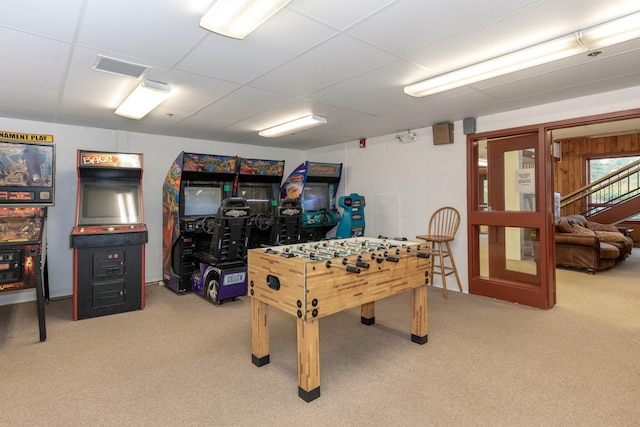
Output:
x,y
603,193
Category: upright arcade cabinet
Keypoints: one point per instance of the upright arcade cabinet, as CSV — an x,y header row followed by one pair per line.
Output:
x,y
315,185
258,182
109,237
204,228
352,219
26,189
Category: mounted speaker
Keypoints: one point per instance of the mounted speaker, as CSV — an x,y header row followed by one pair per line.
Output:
x,y
469,125
443,133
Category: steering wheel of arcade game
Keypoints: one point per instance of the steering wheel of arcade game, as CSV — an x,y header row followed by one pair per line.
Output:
x,y
262,221
325,218
209,225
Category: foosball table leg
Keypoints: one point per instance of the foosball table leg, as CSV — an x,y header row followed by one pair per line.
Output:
x,y
368,313
308,359
259,332
419,327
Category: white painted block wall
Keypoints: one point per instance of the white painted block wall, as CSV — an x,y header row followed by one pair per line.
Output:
x,y
421,176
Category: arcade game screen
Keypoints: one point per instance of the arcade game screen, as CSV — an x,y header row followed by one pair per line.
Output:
x,y
316,196
109,203
257,195
201,200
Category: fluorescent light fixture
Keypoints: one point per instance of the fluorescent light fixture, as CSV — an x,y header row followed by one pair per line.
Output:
x,y
147,96
238,18
597,37
305,122
612,32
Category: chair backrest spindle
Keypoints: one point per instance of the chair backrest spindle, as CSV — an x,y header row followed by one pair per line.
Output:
x,y
444,222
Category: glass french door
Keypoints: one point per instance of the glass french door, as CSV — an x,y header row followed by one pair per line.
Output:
x,y
510,218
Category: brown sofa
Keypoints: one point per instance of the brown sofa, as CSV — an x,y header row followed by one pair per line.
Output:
x,y
584,244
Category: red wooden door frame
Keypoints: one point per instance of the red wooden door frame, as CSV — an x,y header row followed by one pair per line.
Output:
x,y
514,287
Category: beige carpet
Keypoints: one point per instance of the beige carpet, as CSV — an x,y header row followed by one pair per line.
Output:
x,y
184,362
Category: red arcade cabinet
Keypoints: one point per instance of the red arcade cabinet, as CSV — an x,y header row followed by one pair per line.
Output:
x,y
26,189
109,237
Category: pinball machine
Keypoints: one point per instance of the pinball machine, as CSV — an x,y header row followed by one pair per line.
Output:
x,y
26,190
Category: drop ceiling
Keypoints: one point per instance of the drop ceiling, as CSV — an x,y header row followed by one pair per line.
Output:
x,y
346,60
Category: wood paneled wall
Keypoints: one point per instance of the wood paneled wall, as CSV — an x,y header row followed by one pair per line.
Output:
x,y
570,173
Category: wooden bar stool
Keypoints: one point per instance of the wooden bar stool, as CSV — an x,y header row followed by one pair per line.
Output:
x,y
443,226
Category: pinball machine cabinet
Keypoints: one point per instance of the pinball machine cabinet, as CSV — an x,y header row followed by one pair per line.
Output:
x,y
26,190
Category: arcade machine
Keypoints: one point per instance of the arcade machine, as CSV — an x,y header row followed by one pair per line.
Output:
x,y
204,228
109,237
258,182
26,189
222,272
315,186
287,222
352,219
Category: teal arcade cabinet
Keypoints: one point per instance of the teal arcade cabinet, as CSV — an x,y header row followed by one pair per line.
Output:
x,y
352,220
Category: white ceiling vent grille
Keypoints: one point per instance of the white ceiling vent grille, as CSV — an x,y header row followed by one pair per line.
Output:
x,y
118,67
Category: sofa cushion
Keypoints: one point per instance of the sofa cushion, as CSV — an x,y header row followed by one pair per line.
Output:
x,y
578,229
596,226
608,251
610,236
563,226
577,219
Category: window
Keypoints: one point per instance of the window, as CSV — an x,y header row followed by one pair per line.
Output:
x,y
621,187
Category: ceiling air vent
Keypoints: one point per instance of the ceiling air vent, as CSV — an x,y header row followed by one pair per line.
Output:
x,y
121,68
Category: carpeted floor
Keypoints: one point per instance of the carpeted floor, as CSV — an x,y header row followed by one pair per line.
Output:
x,y
184,362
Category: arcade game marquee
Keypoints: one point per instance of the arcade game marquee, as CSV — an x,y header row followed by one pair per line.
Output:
x,y
205,228
26,190
315,186
109,237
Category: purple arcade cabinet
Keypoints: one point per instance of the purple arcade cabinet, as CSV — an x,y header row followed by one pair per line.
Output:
x,y
204,228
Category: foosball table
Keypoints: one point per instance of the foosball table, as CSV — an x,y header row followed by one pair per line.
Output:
x,y
313,280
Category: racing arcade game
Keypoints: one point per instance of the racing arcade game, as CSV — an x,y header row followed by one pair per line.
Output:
x,y
315,186
222,272
26,189
204,228
258,182
109,237
286,228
